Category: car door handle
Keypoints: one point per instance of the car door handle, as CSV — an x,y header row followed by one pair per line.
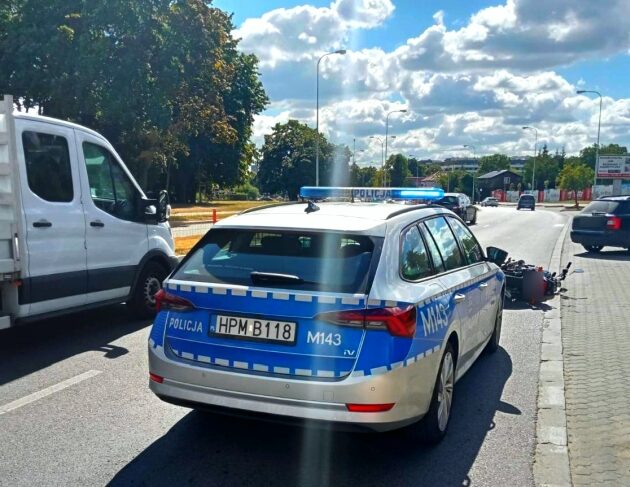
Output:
x,y
459,298
483,284
97,223
42,224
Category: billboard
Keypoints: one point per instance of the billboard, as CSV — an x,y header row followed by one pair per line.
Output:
x,y
613,167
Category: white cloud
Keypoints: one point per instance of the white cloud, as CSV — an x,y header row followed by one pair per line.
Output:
x,y
477,84
303,32
524,35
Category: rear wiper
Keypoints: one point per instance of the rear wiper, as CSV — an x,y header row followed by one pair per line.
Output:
x,y
268,277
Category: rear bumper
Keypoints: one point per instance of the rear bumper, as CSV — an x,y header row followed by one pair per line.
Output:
x,y
289,399
601,237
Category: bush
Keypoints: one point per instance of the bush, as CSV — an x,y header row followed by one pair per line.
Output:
x,y
249,190
237,197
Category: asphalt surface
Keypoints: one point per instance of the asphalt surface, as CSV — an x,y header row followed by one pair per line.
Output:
x,y
75,408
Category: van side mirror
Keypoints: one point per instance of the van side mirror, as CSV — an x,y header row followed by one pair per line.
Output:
x,y
496,255
163,208
155,211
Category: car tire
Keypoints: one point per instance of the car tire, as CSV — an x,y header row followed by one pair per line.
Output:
x,y
493,345
142,302
593,249
474,219
434,424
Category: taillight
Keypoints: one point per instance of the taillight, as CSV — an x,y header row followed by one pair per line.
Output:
x,y
400,322
369,408
613,223
156,378
166,301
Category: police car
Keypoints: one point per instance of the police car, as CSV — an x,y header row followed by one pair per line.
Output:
x,y
358,313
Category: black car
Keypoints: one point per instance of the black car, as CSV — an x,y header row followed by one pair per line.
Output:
x,y
459,204
526,201
603,223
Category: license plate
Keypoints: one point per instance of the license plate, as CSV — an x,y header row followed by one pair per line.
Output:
x,y
254,328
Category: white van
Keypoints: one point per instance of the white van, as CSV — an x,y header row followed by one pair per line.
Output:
x,y
76,230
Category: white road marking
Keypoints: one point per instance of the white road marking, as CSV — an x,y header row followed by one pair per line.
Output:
x,y
36,396
559,225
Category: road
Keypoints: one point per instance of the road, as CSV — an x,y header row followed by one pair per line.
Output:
x,y
75,408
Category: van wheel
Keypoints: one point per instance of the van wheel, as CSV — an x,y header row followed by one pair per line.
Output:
x,y
434,424
142,302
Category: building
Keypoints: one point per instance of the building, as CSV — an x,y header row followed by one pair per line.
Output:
x,y
517,163
504,179
462,163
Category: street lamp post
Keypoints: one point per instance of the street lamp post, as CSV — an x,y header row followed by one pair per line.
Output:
x,y
382,157
599,124
474,151
535,153
387,126
340,51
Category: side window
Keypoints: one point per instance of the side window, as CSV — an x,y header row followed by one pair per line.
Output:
x,y
48,169
110,188
446,243
472,250
438,264
414,259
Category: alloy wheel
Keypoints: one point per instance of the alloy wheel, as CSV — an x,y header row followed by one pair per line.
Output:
x,y
445,392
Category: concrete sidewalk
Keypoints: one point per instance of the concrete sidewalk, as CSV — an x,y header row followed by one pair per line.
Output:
x,y
596,350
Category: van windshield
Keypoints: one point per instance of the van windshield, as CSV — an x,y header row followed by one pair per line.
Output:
x,y
315,261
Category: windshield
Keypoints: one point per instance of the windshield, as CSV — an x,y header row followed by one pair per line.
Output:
x,y
601,206
448,200
286,259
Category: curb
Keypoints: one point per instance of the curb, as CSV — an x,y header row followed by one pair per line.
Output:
x,y
551,461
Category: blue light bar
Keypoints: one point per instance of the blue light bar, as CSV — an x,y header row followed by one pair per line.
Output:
x,y
371,194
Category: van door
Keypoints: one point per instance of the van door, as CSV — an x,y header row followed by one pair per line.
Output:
x,y
54,221
116,235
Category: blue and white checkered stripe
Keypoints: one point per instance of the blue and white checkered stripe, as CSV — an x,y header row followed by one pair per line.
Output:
x,y
258,293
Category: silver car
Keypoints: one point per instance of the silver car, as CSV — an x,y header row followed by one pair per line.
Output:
x,y
360,314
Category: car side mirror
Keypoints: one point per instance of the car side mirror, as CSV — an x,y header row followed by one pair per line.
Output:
x,y
496,255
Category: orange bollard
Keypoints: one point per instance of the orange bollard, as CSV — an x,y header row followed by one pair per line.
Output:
x,y
214,215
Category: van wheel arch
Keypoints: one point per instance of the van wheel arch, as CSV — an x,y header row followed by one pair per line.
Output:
x,y
154,262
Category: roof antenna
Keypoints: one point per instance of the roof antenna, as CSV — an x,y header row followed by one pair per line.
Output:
x,y
311,207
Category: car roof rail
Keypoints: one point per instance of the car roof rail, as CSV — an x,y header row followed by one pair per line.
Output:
x,y
271,205
411,208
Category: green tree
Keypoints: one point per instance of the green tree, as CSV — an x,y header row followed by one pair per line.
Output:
x,y
416,168
288,160
397,170
163,80
547,169
495,162
575,177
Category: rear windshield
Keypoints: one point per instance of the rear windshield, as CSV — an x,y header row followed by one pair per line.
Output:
x,y
448,200
527,197
315,261
601,206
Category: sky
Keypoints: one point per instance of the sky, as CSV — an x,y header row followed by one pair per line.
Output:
x,y
468,72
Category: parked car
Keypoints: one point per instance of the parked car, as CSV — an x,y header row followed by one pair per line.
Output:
x,y
490,201
459,204
356,314
526,201
603,223
76,230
